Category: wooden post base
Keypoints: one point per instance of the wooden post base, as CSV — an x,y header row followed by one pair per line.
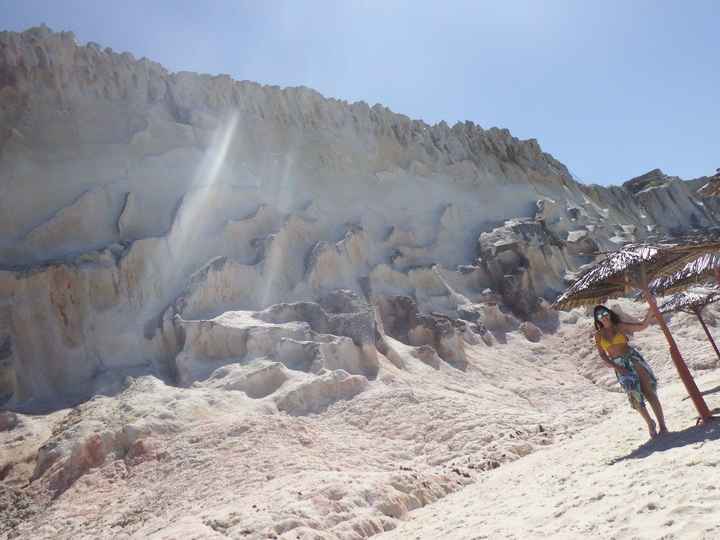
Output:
x,y
677,359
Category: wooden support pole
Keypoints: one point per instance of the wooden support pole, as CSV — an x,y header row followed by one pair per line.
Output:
x,y
698,313
677,358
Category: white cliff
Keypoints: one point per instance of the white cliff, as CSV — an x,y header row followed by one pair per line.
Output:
x,y
133,198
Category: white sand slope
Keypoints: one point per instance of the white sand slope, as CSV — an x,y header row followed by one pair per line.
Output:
x,y
600,484
532,440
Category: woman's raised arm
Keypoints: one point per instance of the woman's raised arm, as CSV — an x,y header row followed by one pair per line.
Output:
x,y
630,327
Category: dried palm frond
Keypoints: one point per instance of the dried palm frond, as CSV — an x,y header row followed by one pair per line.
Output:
x,y
699,270
617,275
689,302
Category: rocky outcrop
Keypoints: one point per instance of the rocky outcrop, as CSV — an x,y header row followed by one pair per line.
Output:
x,y
671,202
401,320
139,205
240,337
525,261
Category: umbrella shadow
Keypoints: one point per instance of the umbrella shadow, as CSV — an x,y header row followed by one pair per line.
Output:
x,y
713,390
674,439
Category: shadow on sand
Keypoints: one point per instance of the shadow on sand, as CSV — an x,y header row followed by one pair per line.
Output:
x,y
713,390
674,439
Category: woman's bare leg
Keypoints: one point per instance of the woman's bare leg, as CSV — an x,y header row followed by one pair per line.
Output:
x,y
657,409
651,396
646,416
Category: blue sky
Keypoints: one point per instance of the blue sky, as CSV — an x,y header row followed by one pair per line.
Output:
x,y
612,89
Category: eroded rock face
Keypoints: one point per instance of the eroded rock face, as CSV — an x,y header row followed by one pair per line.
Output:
x,y
526,261
301,336
530,331
402,321
132,195
316,395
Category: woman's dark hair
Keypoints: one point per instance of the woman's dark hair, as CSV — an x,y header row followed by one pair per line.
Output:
x,y
599,310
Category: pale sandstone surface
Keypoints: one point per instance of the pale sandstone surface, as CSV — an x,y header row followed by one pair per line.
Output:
x,y
239,454
600,484
138,462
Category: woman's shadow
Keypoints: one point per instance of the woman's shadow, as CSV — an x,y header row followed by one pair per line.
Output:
x,y
675,439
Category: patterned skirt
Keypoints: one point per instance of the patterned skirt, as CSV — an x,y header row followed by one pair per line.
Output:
x,y
631,381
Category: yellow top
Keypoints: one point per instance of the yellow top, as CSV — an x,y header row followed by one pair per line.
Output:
x,y
617,339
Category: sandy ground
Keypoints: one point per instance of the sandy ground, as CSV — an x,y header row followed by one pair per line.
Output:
x,y
533,439
600,484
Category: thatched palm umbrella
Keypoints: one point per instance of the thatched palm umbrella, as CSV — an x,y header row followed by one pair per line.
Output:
x,y
693,302
632,268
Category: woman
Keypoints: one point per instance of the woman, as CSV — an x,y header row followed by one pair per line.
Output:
x,y
633,373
